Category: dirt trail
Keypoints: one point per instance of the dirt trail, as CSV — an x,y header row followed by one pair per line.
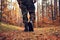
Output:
x,y
9,32
38,34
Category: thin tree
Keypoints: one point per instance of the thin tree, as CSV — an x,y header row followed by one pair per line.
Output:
x,y
59,8
1,11
55,9
42,11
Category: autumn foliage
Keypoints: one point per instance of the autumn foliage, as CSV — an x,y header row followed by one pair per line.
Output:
x,y
11,12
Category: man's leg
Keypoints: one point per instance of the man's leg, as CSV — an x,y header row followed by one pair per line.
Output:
x,y
25,21
31,9
32,16
32,20
25,18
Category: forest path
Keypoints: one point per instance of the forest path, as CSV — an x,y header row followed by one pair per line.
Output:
x,y
9,32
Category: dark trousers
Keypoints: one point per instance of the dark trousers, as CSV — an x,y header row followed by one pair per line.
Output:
x,y
25,9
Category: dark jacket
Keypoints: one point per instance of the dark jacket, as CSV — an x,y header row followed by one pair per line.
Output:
x,y
25,2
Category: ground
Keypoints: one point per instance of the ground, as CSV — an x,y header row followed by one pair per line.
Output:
x,y
9,32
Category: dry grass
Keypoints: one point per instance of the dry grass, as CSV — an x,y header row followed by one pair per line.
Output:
x,y
10,32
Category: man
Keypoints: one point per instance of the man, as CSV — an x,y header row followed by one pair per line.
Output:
x,y
27,6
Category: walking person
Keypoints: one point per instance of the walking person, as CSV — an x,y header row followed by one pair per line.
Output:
x,y
27,6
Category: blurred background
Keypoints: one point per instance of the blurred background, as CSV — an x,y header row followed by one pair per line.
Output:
x,y
47,12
